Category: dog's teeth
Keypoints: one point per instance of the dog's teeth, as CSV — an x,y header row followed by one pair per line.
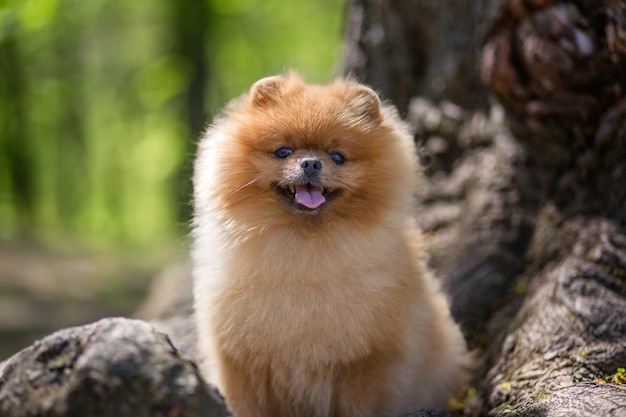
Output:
x,y
292,189
296,196
322,190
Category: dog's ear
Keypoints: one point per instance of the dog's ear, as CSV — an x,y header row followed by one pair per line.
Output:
x,y
267,90
365,104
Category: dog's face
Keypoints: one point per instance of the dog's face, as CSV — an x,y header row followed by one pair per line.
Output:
x,y
294,153
309,178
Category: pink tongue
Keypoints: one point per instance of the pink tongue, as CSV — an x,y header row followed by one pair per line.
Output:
x,y
309,196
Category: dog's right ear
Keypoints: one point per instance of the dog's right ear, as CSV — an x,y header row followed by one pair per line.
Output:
x,y
365,104
266,91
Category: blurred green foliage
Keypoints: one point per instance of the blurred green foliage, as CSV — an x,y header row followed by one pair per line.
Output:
x,y
101,103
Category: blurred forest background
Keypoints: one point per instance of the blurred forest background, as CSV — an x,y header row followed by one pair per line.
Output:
x,y
101,103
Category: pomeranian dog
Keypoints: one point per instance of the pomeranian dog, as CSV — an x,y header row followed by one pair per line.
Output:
x,y
312,296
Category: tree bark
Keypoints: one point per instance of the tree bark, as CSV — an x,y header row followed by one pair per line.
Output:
x,y
114,367
555,347
409,48
190,21
14,143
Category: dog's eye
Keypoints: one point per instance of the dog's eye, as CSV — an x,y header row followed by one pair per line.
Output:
x,y
283,152
337,158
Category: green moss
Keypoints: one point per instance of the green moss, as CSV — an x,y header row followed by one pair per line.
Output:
x,y
618,378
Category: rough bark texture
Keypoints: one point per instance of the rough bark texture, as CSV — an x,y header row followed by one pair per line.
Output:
x,y
558,67
569,330
408,48
476,208
114,367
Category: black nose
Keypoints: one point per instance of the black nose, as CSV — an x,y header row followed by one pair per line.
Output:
x,y
311,166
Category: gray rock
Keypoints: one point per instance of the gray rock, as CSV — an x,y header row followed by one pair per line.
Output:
x,y
115,367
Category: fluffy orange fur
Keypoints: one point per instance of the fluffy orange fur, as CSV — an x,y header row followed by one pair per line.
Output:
x,y
320,306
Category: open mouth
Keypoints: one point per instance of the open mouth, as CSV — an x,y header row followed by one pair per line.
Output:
x,y
306,196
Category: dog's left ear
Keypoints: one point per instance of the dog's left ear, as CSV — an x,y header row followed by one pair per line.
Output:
x,y
365,104
267,90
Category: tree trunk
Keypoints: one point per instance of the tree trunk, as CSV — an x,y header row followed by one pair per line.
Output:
x,y
409,48
17,152
527,202
191,19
